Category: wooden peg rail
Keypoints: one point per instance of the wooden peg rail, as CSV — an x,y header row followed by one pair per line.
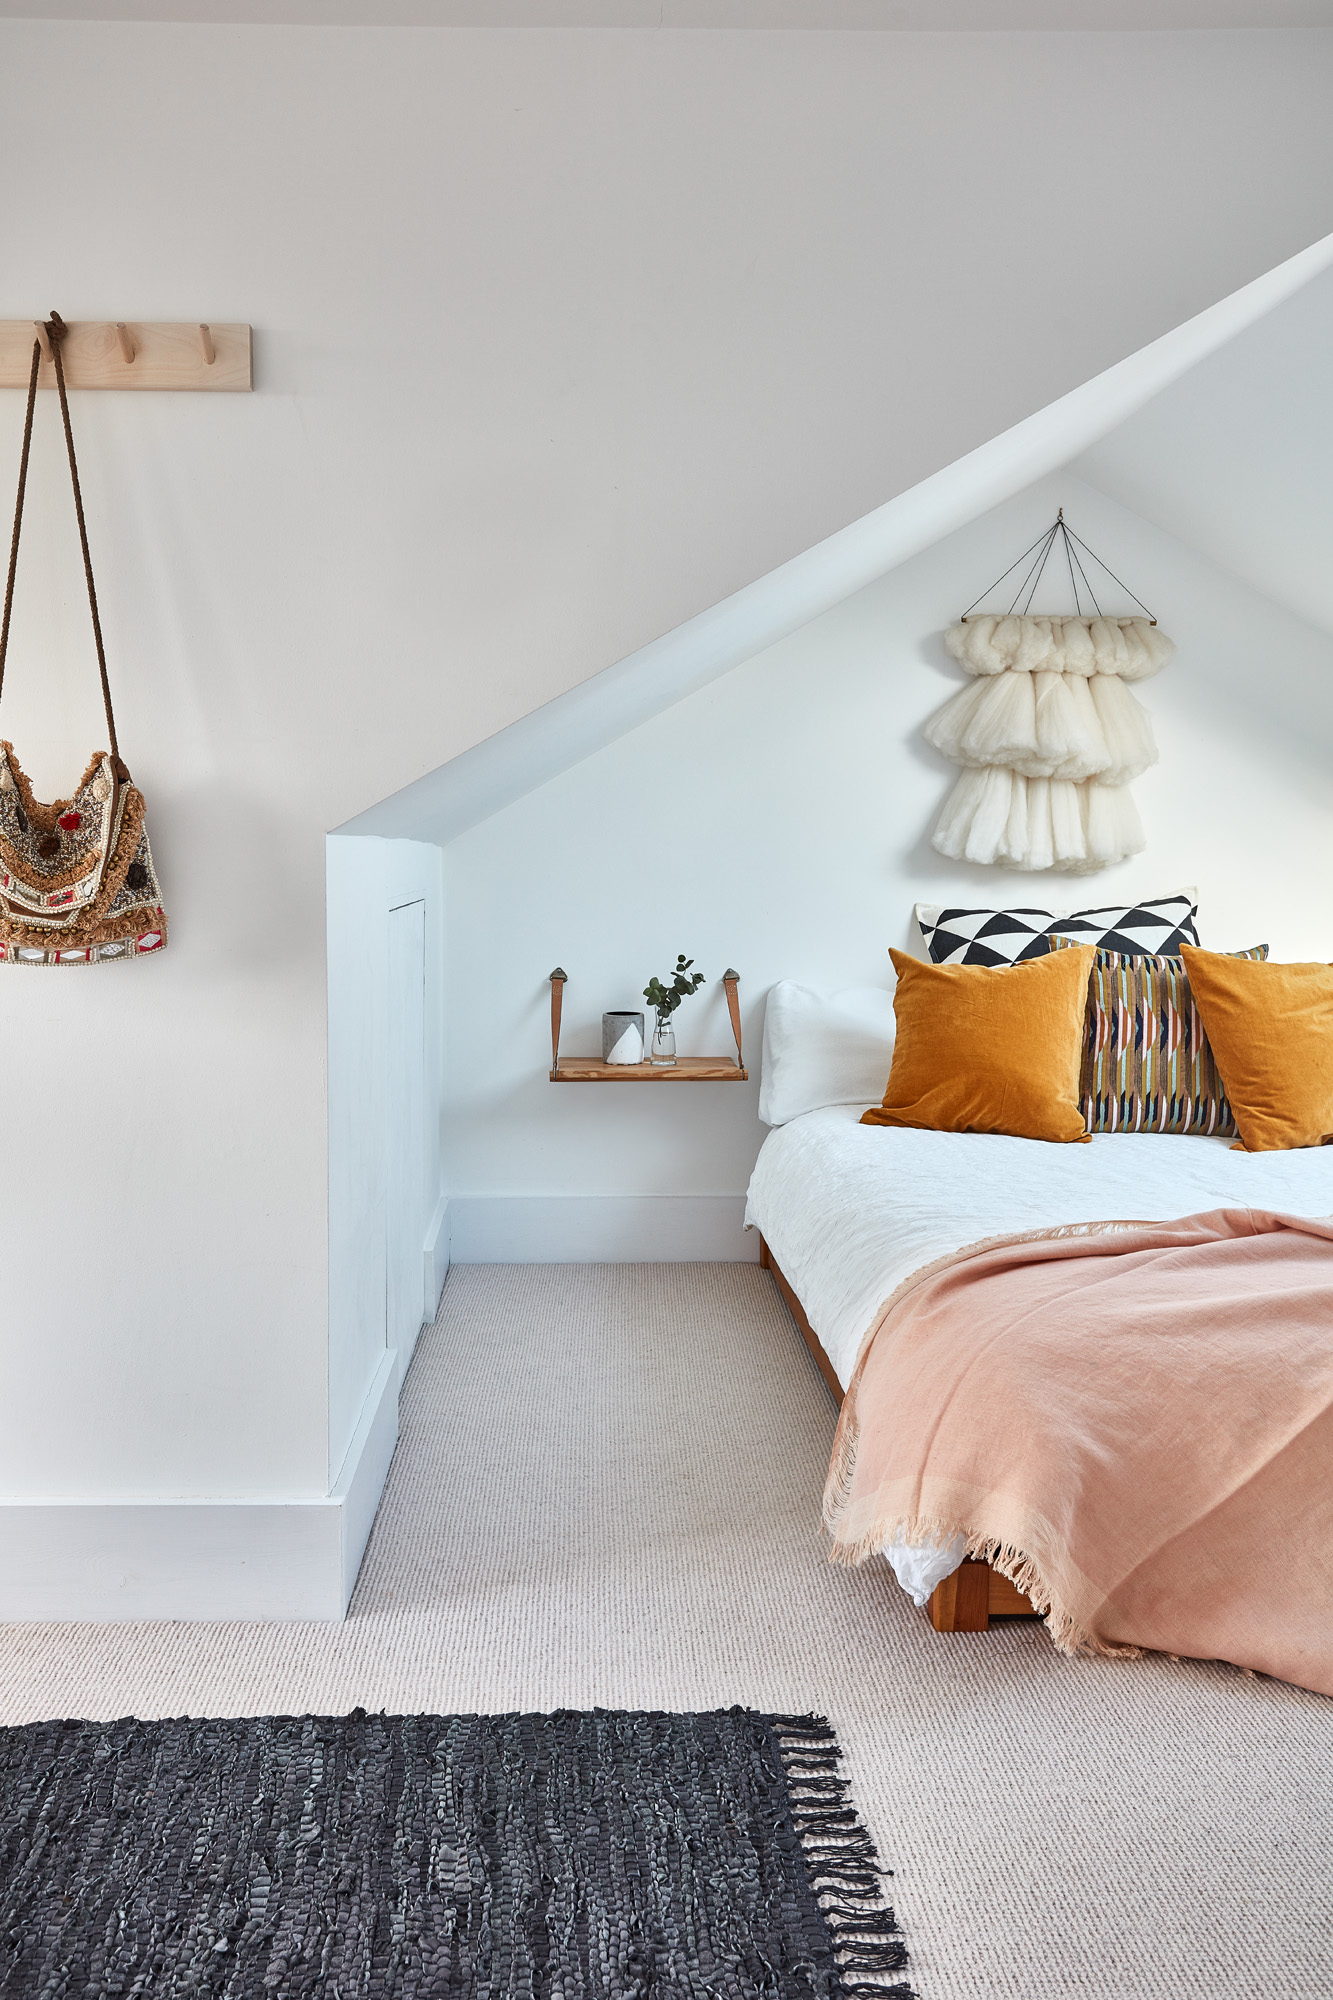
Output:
x,y
685,1069
131,354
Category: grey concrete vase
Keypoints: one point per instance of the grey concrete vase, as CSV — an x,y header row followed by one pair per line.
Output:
x,y
622,1038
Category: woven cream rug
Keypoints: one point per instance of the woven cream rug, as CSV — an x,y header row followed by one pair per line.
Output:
x,y
607,1492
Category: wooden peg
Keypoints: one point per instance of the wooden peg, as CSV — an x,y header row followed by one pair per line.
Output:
x,y
124,342
206,342
43,339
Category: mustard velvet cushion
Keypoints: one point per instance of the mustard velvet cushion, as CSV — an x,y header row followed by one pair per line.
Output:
x,y
984,1048
1270,1028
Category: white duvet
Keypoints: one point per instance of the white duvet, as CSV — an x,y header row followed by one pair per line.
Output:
x,y
850,1210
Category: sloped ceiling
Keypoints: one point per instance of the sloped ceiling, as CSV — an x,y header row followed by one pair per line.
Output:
x,y
1236,456
444,802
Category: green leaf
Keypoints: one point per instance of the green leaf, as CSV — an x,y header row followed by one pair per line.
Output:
x,y
665,999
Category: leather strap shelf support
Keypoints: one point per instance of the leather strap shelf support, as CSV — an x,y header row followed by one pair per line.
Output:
x,y
686,1069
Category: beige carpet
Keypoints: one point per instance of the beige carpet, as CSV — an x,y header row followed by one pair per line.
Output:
x,y
607,1492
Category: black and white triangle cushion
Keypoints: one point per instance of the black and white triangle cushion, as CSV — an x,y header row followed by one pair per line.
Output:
x,y
1007,937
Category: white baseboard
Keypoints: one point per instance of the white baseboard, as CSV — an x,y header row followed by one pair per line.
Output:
x,y
99,1561
600,1229
360,1482
105,1561
434,1271
436,1257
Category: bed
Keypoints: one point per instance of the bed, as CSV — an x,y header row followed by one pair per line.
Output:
x,y
849,1213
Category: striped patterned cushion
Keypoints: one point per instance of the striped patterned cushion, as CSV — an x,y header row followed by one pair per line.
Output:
x,y
1147,1066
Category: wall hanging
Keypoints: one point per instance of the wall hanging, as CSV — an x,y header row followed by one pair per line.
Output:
x,y
77,882
1047,731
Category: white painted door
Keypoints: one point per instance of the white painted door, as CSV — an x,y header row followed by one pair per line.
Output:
x,y
407,1219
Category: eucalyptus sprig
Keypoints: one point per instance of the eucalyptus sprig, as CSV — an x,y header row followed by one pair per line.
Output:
x,y
664,999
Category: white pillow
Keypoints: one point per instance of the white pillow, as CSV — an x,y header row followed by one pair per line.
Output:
x,y
824,1048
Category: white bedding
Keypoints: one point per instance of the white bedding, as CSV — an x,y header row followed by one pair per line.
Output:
x,y
850,1210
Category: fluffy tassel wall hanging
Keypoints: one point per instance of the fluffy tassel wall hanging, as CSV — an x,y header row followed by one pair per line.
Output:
x,y
1047,731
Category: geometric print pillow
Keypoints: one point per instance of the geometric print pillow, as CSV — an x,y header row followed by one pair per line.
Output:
x,y
1147,1066
1009,937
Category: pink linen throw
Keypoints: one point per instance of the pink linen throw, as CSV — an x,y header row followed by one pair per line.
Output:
x,y
1133,1421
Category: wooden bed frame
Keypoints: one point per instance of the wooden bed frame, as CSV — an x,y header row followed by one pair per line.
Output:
x,y
975,1593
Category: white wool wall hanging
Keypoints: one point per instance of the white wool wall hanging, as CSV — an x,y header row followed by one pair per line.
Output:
x,y
1047,731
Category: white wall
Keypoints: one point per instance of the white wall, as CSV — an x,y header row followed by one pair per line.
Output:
x,y
367,878
778,821
1234,456
559,338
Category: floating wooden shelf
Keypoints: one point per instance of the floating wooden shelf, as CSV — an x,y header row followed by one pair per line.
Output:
x,y
685,1069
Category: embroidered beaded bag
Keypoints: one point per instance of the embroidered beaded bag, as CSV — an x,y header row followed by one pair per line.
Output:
x,y
77,883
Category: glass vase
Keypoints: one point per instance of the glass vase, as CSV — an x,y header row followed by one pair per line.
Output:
x,y
663,1055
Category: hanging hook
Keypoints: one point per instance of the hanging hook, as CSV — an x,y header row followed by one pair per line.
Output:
x,y
43,338
1039,551
206,342
124,341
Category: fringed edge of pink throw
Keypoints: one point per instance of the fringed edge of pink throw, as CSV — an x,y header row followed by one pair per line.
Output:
x,y
1009,1560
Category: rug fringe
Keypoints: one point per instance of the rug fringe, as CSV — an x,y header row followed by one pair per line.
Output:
x,y
841,1861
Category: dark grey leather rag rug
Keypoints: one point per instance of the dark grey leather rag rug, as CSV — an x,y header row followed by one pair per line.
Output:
x,y
598,1856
